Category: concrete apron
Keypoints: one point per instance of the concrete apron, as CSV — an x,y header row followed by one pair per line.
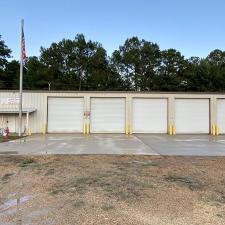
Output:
x,y
118,144
77,144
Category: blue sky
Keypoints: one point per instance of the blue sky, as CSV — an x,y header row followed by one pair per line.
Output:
x,y
195,27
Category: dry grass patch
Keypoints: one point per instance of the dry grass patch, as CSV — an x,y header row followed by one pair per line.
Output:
x,y
114,189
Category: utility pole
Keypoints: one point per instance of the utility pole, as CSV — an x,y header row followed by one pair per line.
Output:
x,y
49,86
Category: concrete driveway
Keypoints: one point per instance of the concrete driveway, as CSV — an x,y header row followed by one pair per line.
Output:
x,y
77,144
141,144
197,145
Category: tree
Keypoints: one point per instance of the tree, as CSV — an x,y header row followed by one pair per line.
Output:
x,y
36,75
4,55
11,75
216,60
137,63
216,57
74,62
171,70
100,76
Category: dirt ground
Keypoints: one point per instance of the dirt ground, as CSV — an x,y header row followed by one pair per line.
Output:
x,y
137,190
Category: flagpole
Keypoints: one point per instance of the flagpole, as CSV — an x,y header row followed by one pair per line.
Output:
x,y
21,81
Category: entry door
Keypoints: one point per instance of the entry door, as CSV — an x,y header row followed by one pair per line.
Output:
x,y
108,115
192,116
149,115
12,120
65,115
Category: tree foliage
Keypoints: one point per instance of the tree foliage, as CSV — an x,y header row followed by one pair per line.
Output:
x,y
138,65
137,62
4,54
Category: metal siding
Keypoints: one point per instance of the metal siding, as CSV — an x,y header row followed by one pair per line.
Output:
x,y
38,99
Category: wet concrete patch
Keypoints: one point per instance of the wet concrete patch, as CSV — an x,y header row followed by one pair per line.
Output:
x,y
14,209
8,152
13,202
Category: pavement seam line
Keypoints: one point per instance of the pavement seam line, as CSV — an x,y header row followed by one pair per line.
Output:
x,y
146,145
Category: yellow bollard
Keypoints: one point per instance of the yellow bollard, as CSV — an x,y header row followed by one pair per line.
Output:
x,y
217,130
84,128
29,132
213,130
130,129
87,128
170,130
44,129
127,129
174,129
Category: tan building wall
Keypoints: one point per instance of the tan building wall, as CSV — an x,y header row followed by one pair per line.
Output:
x,y
39,99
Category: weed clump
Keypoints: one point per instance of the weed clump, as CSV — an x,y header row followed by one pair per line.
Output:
x,y
27,162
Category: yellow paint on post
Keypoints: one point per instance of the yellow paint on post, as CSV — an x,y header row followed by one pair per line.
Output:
x,y
170,130
130,129
217,130
127,129
84,128
213,130
174,129
44,129
29,132
87,128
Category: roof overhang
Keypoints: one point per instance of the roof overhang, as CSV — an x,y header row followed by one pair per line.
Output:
x,y
16,111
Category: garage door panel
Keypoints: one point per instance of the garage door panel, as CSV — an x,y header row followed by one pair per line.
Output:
x,y
108,115
221,115
150,115
192,116
65,115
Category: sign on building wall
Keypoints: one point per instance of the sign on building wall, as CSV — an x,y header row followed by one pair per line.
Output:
x,y
9,101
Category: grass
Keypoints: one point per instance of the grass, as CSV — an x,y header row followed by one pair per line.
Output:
x,y
27,162
7,176
50,172
192,184
220,198
107,207
99,187
79,204
56,191
145,163
117,185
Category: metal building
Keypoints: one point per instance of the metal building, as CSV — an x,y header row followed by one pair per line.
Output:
x,y
114,112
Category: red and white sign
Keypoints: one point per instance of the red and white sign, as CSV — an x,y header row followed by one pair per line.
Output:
x,y
87,113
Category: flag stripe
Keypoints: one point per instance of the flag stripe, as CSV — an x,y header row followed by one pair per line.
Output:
x,y
23,48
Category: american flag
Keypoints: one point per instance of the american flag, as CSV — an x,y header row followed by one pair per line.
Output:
x,y
23,48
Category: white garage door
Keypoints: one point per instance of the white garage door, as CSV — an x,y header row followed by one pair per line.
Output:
x,y
221,115
149,115
65,115
108,115
192,116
